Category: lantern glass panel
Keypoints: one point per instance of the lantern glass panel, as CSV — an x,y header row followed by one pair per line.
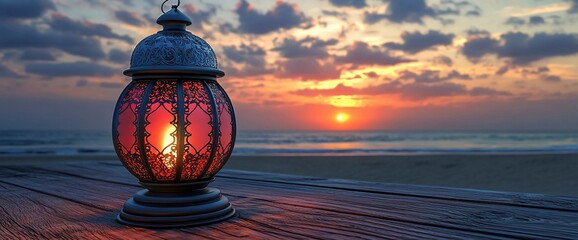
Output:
x,y
153,129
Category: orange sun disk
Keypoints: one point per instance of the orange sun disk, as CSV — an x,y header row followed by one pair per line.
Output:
x,y
342,117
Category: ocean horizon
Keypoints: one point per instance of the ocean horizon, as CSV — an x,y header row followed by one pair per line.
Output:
x,y
99,142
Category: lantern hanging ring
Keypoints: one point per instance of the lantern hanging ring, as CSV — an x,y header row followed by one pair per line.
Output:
x,y
163,5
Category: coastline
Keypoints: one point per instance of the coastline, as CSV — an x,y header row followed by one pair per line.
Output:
x,y
555,174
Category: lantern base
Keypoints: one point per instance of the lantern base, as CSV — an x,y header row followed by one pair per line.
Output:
x,y
171,209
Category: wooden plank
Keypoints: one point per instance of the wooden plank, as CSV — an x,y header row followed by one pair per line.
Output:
x,y
487,219
257,216
26,214
444,193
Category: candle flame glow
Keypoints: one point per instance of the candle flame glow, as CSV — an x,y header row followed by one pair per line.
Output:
x,y
168,155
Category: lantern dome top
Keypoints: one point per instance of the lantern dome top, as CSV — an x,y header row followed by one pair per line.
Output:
x,y
174,50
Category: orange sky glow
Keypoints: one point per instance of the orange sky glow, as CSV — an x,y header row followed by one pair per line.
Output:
x,y
310,65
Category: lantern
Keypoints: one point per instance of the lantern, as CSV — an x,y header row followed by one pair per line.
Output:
x,y
174,129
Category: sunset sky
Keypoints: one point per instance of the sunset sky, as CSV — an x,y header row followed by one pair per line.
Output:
x,y
308,64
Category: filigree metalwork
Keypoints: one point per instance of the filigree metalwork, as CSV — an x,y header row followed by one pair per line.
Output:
x,y
226,129
125,140
179,48
197,161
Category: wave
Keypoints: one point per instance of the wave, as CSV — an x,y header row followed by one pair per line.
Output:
x,y
403,151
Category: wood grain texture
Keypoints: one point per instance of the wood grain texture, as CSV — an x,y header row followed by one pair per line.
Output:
x,y
81,199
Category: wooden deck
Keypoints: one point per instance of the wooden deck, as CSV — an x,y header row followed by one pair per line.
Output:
x,y
81,200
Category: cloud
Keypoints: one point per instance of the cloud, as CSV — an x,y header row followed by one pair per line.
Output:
x,y
532,21
26,36
536,20
515,21
415,11
431,76
10,9
198,17
410,91
503,70
483,91
37,55
415,42
443,60
251,57
402,11
360,53
62,23
573,7
552,78
282,16
349,3
307,69
307,47
128,17
73,69
119,56
6,72
521,48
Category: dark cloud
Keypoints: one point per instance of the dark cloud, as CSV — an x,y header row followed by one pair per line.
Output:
x,y
349,3
521,48
37,55
341,15
503,70
474,32
538,71
483,91
573,6
431,76
411,91
128,17
250,54
86,69
282,16
371,74
25,36
443,60
552,78
307,47
474,13
536,20
62,23
415,11
532,21
476,48
415,42
251,57
198,17
21,9
307,69
402,11
360,53
6,72
515,21
119,56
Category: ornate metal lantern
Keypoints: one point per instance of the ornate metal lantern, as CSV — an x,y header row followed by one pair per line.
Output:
x,y
174,129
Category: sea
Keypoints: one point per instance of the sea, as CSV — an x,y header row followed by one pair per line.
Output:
x,y
20,142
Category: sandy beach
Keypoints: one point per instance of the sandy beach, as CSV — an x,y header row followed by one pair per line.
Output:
x,y
555,174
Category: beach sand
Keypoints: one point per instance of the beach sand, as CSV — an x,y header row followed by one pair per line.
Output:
x,y
555,174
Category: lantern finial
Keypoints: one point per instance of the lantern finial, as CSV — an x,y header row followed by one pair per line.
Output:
x,y
174,19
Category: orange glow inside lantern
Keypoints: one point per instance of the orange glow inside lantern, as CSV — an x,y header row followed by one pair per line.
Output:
x,y
157,143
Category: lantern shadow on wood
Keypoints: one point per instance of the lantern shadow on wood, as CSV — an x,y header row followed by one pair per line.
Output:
x,y
174,129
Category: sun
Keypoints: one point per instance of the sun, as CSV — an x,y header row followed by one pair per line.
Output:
x,y
342,117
